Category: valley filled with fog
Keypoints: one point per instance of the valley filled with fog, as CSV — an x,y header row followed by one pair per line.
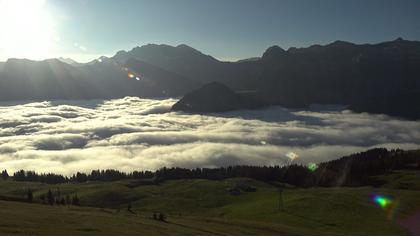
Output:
x,y
142,134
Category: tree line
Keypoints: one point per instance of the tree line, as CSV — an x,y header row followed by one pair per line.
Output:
x,y
352,170
53,198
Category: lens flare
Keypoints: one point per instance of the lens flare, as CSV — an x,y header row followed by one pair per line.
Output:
x,y
382,201
386,203
131,75
292,156
312,166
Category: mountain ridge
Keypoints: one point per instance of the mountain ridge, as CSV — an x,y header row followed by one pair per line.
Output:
x,y
379,78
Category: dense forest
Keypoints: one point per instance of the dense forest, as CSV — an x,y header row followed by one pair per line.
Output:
x,y
353,170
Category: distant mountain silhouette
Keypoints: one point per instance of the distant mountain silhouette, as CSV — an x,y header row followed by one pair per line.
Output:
x,y
182,60
160,80
22,79
381,78
378,78
249,59
68,61
216,97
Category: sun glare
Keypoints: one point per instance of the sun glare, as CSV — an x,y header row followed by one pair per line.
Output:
x,y
25,29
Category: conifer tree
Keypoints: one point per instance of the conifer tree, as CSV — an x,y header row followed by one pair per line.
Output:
x,y
29,195
4,175
75,200
50,197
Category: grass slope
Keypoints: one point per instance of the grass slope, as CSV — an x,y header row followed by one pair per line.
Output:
x,y
34,219
206,207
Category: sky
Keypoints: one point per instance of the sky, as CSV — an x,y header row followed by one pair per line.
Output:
x,y
226,29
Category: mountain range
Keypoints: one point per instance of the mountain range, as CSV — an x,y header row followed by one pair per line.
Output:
x,y
377,78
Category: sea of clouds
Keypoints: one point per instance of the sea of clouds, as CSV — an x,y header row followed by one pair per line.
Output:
x,y
141,134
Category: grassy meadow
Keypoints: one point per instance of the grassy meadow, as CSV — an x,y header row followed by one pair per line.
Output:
x,y
205,207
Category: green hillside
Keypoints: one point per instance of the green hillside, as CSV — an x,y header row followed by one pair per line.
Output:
x,y
34,219
206,207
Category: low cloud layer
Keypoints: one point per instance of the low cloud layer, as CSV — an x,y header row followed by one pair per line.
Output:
x,y
140,134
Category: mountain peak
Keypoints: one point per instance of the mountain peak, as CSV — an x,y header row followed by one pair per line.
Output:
x,y
184,46
187,48
121,52
152,46
67,60
340,43
274,52
276,48
52,60
18,60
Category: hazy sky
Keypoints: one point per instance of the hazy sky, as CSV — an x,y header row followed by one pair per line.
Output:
x,y
226,29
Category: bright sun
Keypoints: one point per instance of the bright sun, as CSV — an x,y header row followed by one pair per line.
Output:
x,y
25,29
